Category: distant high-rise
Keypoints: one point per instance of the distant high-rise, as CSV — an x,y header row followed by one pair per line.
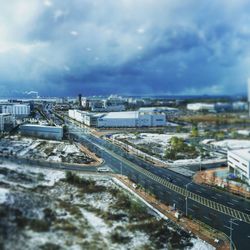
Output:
x,y
248,96
80,100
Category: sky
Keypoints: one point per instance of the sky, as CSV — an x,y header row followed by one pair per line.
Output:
x,y
132,47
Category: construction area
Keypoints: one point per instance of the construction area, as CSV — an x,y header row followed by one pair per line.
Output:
x,y
47,150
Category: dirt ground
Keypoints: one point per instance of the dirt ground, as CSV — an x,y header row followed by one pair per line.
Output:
x,y
209,177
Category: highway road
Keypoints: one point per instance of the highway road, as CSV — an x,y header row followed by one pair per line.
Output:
x,y
205,204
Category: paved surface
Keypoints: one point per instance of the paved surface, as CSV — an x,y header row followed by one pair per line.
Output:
x,y
205,204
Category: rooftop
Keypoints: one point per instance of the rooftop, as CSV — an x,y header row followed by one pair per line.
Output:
x,y
39,125
243,153
122,115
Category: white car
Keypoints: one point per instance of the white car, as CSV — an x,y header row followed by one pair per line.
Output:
x,y
103,169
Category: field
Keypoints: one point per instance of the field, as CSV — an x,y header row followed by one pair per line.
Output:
x,y
50,210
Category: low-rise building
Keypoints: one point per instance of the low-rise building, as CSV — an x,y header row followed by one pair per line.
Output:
x,y
239,163
240,106
98,104
132,119
6,122
120,119
210,107
42,131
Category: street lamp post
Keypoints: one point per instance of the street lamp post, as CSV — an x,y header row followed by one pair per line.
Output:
x,y
187,197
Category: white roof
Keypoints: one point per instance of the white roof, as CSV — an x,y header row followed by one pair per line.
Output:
x,y
158,109
243,153
121,115
38,125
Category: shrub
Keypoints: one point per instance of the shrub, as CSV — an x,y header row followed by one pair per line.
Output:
x,y
117,237
39,225
50,246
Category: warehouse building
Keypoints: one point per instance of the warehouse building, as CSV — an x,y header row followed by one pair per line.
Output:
x,y
87,118
239,163
132,119
120,119
42,131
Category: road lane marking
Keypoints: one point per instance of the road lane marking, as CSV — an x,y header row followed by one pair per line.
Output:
x,y
235,200
206,218
177,189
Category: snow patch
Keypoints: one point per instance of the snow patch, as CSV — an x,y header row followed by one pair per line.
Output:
x,y
3,195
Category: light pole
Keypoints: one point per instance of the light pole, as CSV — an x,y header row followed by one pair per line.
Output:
x,y
187,197
231,222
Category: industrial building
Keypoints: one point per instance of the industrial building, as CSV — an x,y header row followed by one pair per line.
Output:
x,y
218,107
42,131
16,109
120,119
87,118
132,119
111,104
6,122
239,163
201,107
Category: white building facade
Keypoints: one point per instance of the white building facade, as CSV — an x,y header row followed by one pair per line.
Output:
x,y
17,110
201,107
239,163
119,119
132,119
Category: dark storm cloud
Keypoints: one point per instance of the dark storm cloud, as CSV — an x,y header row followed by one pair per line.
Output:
x,y
69,46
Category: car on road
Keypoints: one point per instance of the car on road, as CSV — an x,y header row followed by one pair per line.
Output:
x,y
103,169
168,178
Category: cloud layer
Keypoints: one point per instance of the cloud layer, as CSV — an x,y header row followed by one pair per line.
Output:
x,y
64,47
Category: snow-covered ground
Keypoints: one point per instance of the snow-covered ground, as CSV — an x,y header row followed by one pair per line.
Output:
x,y
146,138
231,144
52,213
47,150
243,132
200,245
3,195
